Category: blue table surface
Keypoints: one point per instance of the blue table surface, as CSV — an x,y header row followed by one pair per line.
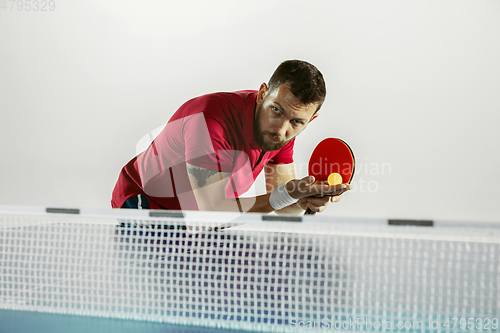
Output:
x,y
14,321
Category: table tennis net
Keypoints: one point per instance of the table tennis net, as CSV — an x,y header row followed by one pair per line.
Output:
x,y
250,274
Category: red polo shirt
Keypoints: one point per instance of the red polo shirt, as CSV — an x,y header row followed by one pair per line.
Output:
x,y
213,131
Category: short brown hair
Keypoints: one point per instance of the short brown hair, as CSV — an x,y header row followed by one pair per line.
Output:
x,y
304,79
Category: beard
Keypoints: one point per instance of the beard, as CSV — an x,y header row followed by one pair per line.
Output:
x,y
259,135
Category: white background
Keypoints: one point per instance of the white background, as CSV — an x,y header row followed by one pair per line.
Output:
x,y
413,87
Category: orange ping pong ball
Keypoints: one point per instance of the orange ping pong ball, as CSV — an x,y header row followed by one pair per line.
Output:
x,y
334,179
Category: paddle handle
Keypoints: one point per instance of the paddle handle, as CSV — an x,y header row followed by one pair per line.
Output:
x,y
309,212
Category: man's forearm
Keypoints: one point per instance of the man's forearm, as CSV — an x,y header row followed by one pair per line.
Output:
x,y
209,191
258,204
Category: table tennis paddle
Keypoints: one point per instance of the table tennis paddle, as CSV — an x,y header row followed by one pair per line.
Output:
x,y
332,160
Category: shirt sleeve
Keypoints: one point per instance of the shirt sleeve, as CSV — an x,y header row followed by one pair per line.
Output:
x,y
284,155
206,144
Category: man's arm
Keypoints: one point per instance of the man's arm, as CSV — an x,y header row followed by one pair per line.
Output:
x,y
209,188
276,175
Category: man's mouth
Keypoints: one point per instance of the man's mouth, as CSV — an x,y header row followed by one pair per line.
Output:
x,y
273,138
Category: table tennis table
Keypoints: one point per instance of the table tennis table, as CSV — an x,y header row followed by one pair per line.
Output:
x,y
14,321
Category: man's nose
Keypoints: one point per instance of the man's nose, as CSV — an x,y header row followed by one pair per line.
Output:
x,y
282,128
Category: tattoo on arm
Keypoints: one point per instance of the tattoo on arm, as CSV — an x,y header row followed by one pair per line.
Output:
x,y
201,175
237,200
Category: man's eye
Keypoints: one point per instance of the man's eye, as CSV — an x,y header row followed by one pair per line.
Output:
x,y
297,122
276,110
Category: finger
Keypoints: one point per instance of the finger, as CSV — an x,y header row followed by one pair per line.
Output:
x,y
336,198
316,208
303,185
303,203
307,181
322,190
319,201
343,188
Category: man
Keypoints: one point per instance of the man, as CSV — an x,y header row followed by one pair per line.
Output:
x,y
214,146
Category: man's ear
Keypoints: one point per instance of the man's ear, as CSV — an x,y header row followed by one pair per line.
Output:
x,y
314,117
262,93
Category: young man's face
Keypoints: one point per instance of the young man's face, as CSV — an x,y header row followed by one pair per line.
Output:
x,y
279,117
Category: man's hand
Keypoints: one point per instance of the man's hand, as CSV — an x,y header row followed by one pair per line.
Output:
x,y
317,203
307,187
302,189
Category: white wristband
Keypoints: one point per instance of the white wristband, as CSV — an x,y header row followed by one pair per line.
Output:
x,y
280,198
